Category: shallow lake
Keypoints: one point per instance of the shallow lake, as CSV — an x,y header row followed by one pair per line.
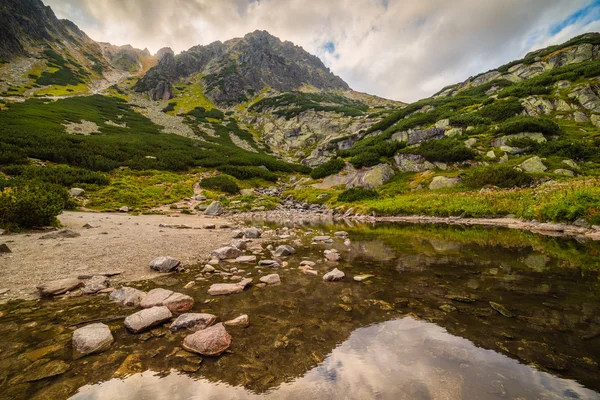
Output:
x,y
449,313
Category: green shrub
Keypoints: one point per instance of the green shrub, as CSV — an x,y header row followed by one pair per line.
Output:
x,y
498,111
329,168
61,175
445,150
221,183
365,159
246,172
30,204
464,120
525,123
496,175
356,194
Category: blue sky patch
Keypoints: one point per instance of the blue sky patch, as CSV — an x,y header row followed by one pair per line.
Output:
x,y
329,47
587,14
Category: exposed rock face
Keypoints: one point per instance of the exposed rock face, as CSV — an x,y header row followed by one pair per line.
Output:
x,y
334,275
215,208
503,141
412,163
128,296
533,164
235,69
211,341
412,137
226,252
147,318
370,177
219,289
60,286
162,91
165,264
440,182
93,338
193,321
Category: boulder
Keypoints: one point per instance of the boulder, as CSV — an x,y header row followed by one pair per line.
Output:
x,y
237,234
179,302
155,297
271,279
284,251
564,172
124,209
246,259
332,255
570,163
95,284
219,289
211,341
242,321
240,244
4,249
440,182
148,318
226,252
342,234
269,264
208,269
503,141
165,264
252,233
321,238
215,208
128,296
193,321
60,286
61,234
334,275
76,192
93,338
377,176
533,164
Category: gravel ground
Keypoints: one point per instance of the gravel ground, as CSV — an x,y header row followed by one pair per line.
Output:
x,y
119,242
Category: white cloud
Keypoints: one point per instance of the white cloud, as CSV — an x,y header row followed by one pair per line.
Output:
x,y
406,50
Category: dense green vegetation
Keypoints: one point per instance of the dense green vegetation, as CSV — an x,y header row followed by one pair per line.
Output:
x,y
201,114
291,104
64,74
445,150
220,183
501,176
356,194
329,168
245,172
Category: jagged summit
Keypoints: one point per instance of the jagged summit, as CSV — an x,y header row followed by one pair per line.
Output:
x,y
239,68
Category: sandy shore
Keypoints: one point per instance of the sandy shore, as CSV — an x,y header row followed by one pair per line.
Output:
x,y
118,242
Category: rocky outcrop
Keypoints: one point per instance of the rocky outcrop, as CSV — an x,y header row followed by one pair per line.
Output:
x,y
533,164
412,137
370,177
412,163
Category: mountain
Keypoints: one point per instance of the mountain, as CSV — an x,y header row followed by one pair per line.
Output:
x,y
236,70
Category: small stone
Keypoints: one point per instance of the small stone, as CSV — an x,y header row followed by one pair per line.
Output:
x,y
501,309
246,259
447,308
341,234
332,255
60,286
189,284
321,238
208,269
283,251
237,234
269,263
271,279
4,249
95,284
211,341
124,209
209,226
310,272
241,321
239,244
193,321
219,289
76,192
155,297
128,296
93,338
252,233
165,264
345,307
364,277
334,275
148,318
308,263
214,261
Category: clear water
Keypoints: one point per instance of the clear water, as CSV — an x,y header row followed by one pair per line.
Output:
x,y
385,338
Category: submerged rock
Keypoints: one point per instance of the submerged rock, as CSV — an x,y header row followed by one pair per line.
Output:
x,y
42,369
211,341
147,318
165,264
334,275
332,255
269,264
242,321
246,259
501,309
193,321
271,279
93,338
219,289
364,277
128,296
60,286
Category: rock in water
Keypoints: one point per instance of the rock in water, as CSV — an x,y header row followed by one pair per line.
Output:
x,y
283,251
219,289
128,296
92,338
60,286
63,233
269,264
226,252
334,275
360,278
211,341
155,298
332,255
242,321
252,233
176,302
271,279
501,309
215,208
148,318
95,284
165,264
4,249
246,259
193,321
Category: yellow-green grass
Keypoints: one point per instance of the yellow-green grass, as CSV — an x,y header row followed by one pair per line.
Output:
x,y
68,90
190,97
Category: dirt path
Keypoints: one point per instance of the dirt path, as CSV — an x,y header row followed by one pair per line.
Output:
x,y
119,242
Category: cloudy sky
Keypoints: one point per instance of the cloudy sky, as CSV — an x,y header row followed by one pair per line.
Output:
x,y
399,49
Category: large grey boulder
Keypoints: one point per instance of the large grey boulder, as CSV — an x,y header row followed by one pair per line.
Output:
x,y
412,163
95,284
252,233
211,341
533,164
93,338
148,318
128,296
440,182
226,252
220,289
61,234
504,140
334,275
165,264
60,286
193,321
284,251
215,208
